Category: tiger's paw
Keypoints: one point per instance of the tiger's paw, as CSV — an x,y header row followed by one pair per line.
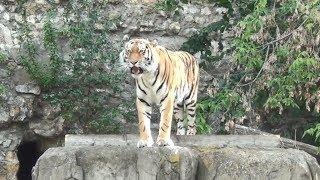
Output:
x,y
165,142
144,143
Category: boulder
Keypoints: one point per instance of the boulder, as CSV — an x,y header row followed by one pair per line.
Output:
x,y
28,89
238,163
48,123
5,35
21,107
116,162
9,163
227,158
4,117
47,128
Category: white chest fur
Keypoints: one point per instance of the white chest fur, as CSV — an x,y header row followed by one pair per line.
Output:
x,y
149,89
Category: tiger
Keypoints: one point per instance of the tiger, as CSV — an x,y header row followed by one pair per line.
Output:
x,y
168,79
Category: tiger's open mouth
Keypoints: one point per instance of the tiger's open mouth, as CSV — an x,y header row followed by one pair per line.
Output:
x,y
136,70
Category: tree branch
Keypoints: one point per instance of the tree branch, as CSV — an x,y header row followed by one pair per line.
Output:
x,y
287,35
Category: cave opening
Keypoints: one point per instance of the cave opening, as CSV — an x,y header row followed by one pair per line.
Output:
x,y
28,154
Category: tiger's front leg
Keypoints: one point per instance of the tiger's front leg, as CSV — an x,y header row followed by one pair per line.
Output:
x,y
144,116
166,110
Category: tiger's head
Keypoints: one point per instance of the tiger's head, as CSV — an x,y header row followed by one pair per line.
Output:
x,y
137,56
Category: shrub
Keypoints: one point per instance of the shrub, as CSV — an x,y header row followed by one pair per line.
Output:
x,y
3,58
79,75
274,67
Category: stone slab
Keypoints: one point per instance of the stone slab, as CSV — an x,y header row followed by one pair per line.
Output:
x,y
256,141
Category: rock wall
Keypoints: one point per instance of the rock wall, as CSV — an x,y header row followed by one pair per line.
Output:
x,y
23,117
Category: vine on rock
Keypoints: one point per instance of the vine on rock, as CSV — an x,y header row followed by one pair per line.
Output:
x,y
79,73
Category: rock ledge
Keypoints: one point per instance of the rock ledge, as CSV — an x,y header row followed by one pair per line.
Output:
x,y
224,157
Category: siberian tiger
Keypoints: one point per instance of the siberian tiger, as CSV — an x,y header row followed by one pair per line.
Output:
x,y
165,78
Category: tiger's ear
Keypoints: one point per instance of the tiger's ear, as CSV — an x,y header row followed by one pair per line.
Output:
x,y
126,45
154,43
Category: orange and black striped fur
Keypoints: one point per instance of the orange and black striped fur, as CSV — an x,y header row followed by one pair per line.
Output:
x,y
166,78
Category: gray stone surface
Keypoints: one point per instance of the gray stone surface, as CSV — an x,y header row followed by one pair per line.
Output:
x,y
241,164
47,128
30,88
245,141
116,162
9,164
10,139
5,35
59,163
21,107
4,116
228,158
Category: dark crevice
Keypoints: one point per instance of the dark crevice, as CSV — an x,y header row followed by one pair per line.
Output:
x,y
28,154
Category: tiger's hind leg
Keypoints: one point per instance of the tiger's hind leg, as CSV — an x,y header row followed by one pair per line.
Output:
x,y
178,115
191,103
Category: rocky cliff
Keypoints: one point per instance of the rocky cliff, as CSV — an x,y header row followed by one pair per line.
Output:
x,y
198,157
